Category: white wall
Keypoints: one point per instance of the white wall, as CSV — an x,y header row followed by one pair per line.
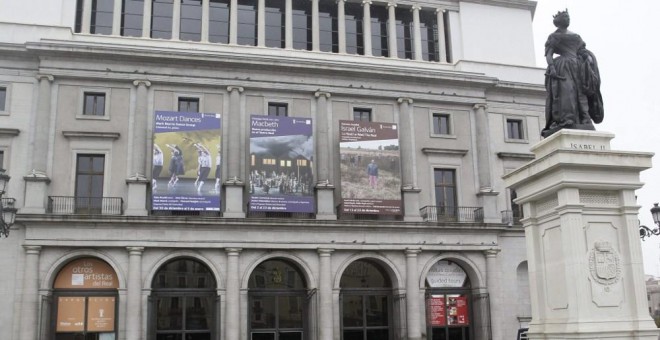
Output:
x,y
40,12
497,34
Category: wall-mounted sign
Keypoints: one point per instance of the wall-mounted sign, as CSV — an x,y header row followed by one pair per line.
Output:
x,y
445,274
101,314
281,165
457,310
86,273
186,161
70,314
436,310
370,168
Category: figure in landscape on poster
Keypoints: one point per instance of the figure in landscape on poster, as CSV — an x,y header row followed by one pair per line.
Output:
x,y
157,166
203,165
572,81
218,169
372,171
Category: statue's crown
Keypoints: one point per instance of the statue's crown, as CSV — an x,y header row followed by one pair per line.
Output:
x,y
564,12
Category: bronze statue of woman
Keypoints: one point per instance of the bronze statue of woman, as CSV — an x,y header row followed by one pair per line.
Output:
x,y
572,81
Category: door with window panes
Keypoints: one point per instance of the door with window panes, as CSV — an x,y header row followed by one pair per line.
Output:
x,y
448,303
89,183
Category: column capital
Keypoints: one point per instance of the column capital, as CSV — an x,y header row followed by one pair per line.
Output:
x,y
318,94
235,88
480,106
141,81
338,1
135,250
440,10
233,251
492,253
366,2
404,99
415,7
325,251
48,77
391,4
32,249
412,252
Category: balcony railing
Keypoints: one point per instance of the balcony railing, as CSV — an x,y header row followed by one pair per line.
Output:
x,y
510,218
431,213
70,205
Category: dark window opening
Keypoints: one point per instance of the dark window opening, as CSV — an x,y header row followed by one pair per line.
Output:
x,y
441,124
278,109
219,21
514,128
379,43
445,189
328,25
354,29
77,28
101,17
89,183
161,19
191,20
275,28
404,33
188,104
3,99
302,24
429,34
131,18
247,22
362,115
94,104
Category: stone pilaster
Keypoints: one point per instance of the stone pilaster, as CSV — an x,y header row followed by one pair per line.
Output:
x,y
146,20
232,307
486,194
176,19
86,17
133,296
136,204
417,35
316,40
116,18
442,41
30,297
493,283
391,30
205,20
234,184
325,204
261,23
414,319
288,22
326,324
233,22
406,144
366,26
341,26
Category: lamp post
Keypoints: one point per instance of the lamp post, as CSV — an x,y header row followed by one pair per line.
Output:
x,y
645,231
7,210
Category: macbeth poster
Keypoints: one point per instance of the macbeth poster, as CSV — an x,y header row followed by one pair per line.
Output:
x,y
370,168
281,174
186,161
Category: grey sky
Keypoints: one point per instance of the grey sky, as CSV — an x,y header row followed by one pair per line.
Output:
x,y
623,36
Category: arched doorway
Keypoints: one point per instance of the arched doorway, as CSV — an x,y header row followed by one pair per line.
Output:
x,y
85,298
366,302
278,302
448,302
183,302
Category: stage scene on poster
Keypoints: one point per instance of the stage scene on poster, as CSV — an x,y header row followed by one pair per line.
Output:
x,y
370,168
187,161
281,177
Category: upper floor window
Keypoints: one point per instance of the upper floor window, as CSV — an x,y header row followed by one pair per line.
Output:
x,y
328,26
362,115
191,20
441,124
89,183
445,187
302,24
188,104
101,17
219,21
77,28
275,17
278,109
247,22
404,33
94,104
3,99
514,129
354,31
131,18
161,18
429,35
2,159
379,44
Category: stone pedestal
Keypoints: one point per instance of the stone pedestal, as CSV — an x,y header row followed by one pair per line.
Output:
x,y
36,193
234,200
583,246
136,202
325,202
488,200
411,205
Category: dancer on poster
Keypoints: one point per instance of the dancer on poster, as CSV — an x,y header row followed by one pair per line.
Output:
x,y
218,169
157,166
203,165
176,165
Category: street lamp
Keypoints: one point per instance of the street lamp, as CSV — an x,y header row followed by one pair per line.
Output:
x,y
645,231
7,210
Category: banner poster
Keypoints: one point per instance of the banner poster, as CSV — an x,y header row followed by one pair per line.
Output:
x,y
186,161
370,168
101,314
457,310
70,314
281,176
436,310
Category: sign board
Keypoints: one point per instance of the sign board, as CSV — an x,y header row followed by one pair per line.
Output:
x,y
446,274
86,273
70,314
101,314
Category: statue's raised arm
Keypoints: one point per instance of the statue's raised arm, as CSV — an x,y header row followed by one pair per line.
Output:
x,y
572,81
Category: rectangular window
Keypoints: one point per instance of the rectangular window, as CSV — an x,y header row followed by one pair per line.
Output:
x,y
79,9
429,32
354,30
161,18
441,124
219,21
101,17
131,18
278,109
247,22
514,129
191,20
275,30
404,33
188,104
445,188
2,159
362,115
3,99
94,104
379,17
302,24
89,183
328,25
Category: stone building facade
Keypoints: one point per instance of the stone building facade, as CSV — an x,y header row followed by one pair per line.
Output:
x,y
80,82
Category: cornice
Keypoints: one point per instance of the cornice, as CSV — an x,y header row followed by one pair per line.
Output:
x,y
449,152
519,4
91,134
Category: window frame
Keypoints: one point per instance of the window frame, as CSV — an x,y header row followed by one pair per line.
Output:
x,y
5,110
522,129
278,101
125,15
456,183
187,35
450,124
81,103
179,97
362,109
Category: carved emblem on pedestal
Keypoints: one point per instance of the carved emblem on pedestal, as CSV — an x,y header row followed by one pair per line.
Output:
x,y
604,263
